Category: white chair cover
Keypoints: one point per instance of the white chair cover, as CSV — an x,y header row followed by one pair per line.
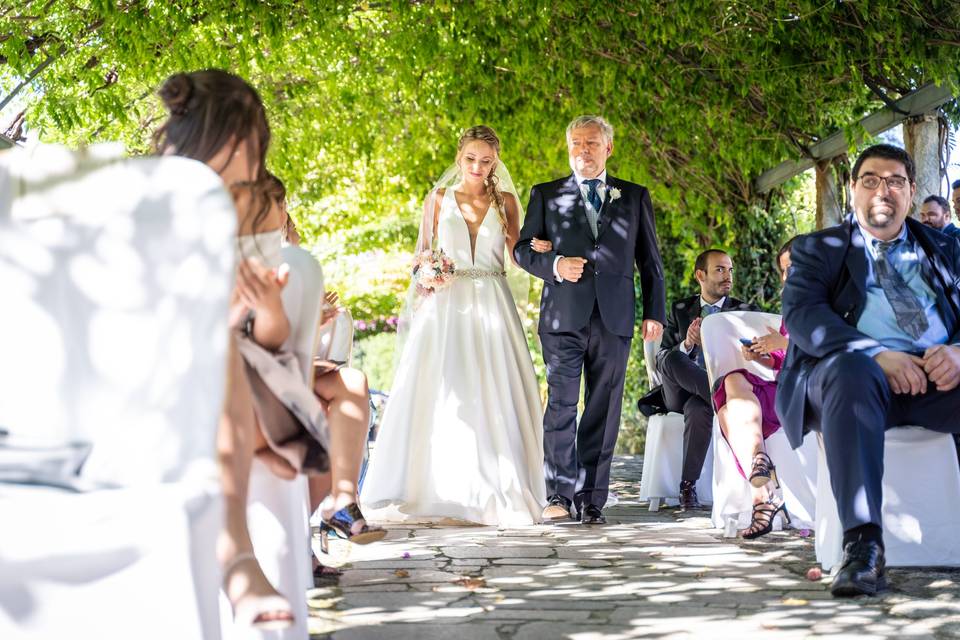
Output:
x,y
921,488
116,276
277,514
663,450
796,469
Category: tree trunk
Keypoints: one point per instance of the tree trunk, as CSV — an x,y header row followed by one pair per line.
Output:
x,y
921,137
829,212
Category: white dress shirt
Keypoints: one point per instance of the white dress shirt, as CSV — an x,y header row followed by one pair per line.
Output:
x,y
584,190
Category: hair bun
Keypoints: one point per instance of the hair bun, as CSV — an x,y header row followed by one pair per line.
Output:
x,y
176,93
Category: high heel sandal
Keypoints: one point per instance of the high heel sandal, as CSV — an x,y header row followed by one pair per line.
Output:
x,y
268,612
342,523
763,470
763,515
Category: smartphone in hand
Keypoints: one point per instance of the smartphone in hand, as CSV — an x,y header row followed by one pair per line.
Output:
x,y
746,342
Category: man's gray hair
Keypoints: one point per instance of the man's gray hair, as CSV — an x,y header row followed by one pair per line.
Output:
x,y
587,121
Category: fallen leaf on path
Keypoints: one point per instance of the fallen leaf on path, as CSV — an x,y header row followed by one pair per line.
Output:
x,y
795,602
402,573
471,583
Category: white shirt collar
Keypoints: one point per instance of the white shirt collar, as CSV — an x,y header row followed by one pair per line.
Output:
x,y
718,304
870,240
869,236
602,177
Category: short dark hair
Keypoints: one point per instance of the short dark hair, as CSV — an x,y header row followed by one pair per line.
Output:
x,y
886,152
701,262
955,185
940,200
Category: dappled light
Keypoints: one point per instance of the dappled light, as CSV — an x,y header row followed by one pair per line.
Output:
x,y
644,575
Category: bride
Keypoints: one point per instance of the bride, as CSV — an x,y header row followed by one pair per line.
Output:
x,y
462,435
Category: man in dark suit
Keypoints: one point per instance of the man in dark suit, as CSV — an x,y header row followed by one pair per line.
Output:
x,y
680,364
873,312
600,227
935,213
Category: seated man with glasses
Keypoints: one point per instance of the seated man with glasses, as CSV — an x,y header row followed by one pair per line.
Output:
x,y
874,323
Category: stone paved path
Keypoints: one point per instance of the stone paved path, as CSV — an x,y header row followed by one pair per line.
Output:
x,y
643,575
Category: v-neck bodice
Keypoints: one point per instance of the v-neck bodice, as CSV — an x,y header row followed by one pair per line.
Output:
x,y
453,236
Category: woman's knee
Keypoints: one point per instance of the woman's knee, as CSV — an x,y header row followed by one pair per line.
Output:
x,y
354,381
736,385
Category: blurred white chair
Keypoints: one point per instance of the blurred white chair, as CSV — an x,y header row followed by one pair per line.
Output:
x,y
796,469
663,450
116,277
921,488
277,510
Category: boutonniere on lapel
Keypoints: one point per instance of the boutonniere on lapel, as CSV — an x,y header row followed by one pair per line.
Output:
x,y
614,194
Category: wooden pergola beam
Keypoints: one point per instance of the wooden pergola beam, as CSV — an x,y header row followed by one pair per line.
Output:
x,y
923,100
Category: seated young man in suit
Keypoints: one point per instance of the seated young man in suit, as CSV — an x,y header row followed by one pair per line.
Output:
x,y
873,312
680,363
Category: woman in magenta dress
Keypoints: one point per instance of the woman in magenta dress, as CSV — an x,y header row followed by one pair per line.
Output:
x,y
745,408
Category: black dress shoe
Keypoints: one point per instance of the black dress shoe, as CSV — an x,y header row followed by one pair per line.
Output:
x,y
862,570
688,496
591,514
558,508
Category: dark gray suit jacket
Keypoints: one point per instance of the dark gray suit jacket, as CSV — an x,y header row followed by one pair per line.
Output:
x,y
626,237
825,295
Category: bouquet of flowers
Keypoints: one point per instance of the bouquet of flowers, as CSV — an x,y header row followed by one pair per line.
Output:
x,y
432,271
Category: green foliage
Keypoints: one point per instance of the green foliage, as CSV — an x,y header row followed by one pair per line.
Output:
x,y
366,101
374,355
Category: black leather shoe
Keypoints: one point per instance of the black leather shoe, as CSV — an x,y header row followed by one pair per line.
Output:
x,y
688,496
558,508
591,514
862,570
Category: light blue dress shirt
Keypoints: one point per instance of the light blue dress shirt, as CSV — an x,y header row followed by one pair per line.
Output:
x,y
878,319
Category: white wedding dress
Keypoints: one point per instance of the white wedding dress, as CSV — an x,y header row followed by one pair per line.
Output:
x,y
462,435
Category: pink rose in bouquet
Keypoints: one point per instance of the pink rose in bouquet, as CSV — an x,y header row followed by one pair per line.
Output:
x,y
432,271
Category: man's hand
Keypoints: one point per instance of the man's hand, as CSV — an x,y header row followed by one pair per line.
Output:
x,y
693,334
904,372
941,363
652,329
571,269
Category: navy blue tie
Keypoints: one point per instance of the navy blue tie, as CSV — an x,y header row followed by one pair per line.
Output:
x,y
593,195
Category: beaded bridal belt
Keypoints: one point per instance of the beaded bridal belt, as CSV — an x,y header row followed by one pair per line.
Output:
x,y
476,274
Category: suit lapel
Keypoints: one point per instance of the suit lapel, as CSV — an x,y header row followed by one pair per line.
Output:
x,y
605,214
572,189
938,277
856,260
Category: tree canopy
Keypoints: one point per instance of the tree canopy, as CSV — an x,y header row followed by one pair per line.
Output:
x,y
367,99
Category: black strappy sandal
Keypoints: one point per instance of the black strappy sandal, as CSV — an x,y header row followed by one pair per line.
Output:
x,y
763,470
761,522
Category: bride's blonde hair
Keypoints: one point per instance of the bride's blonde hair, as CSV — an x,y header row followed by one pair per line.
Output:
x,y
483,133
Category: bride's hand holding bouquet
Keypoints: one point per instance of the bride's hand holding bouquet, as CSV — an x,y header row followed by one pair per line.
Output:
x,y
432,270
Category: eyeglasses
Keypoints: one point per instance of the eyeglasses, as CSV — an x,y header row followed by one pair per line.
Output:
x,y
894,183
